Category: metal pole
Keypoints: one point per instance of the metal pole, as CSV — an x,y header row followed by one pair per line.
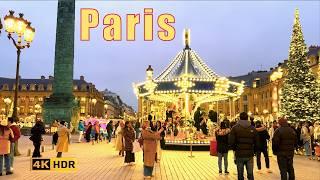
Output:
x,y
15,113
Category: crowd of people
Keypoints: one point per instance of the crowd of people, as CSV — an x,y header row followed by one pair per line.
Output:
x,y
248,139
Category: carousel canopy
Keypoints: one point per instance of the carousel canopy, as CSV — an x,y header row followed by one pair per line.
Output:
x,y
187,73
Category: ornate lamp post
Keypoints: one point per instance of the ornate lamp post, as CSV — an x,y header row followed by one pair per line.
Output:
x,y
22,28
7,101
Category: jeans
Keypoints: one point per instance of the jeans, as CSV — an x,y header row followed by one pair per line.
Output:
x,y
225,159
285,164
109,136
307,148
6,161
248,163
266,158
147,171
36,151
11,153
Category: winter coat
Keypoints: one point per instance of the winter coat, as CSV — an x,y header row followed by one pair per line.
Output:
x,y
243,139
36,132
109,127
149,146
263,137
119,139
5,134
63,140
129,137
81,126
16,132
284,141
305,135
222,140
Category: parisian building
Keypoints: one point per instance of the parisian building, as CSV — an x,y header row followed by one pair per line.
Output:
x,y
32,93
262,92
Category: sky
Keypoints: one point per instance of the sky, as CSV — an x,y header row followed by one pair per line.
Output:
x,y
232,37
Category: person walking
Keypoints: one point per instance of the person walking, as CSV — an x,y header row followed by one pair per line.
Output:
x,y
137,128
96,131
243,140
222,146
149,148
16,135
63,140
109,130
5,134
263,147
159,142
54,129
129,137
306,139
36,137
284,142
119,139
80,129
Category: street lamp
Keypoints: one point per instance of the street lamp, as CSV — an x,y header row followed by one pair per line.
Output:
x,y
7,101
24,31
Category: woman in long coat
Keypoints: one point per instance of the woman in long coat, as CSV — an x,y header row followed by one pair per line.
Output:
x,y
129,137
149,148
63,140
119,139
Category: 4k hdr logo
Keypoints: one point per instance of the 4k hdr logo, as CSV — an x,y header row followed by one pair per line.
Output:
x,y
54,164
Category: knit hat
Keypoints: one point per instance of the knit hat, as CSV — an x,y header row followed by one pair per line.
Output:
x,y
282,121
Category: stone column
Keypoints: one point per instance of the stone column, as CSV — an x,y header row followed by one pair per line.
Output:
x,y
62,104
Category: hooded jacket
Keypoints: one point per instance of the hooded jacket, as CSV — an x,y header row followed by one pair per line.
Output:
x,y
243,139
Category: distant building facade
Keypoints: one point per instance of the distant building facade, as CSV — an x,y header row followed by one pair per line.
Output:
x,y
262,92
32,93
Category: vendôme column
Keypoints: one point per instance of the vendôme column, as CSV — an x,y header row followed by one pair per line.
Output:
x,y
61,105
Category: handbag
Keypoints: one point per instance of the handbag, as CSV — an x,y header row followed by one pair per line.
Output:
x,y
136,147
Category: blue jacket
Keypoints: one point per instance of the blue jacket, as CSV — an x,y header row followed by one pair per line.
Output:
x,y
81,126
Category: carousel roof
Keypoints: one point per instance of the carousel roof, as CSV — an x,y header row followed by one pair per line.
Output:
x,y
187,73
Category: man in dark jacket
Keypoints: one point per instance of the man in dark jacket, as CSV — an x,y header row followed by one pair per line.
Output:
x,y
263,136
36,137
243,140
110,130
283,144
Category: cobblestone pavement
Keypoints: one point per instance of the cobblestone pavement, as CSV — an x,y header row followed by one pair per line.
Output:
x,y
101,161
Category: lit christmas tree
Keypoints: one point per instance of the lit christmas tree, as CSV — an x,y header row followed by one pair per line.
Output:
x,y
300,92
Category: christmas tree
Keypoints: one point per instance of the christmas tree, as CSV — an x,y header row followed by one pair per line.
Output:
x,y
300,92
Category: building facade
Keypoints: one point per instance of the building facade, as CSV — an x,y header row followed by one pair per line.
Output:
x,y
262,92
32,93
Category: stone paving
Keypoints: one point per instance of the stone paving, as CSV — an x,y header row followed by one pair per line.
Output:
x,y
101,161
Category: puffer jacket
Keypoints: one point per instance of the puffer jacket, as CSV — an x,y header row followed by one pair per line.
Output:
x,y
284,141
243,139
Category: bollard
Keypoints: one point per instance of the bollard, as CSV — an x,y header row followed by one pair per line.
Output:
x,y
29,152
52,146
42,148
92,142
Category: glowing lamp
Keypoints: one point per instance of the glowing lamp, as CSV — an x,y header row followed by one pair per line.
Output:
x,y
29,33
9,22
20,25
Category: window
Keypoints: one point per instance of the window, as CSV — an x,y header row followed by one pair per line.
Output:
x,y
245,98
83,109
49,87
245,108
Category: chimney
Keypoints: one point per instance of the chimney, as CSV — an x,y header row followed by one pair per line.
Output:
x,y
50,77
43,78
82,78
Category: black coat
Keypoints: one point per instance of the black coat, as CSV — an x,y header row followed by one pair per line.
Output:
x,y
263,137
284,141
222,143
243,139
36,132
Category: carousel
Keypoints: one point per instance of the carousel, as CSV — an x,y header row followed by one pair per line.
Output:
x,y
186,84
